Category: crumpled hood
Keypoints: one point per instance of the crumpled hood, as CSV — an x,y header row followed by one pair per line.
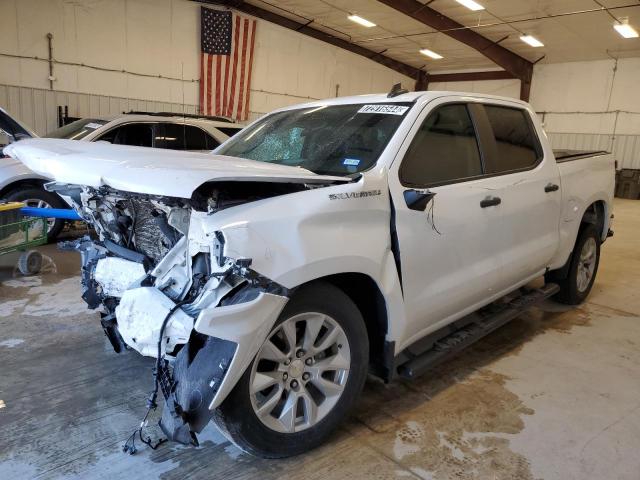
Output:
x,y
147,170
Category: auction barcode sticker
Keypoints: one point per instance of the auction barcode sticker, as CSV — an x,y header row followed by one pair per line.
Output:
x,y
384,109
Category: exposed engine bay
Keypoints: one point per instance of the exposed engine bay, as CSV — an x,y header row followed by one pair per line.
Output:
x,y
152,281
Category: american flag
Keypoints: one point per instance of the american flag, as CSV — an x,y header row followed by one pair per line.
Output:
x,y
226,44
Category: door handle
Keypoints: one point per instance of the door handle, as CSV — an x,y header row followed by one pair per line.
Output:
x,y
490,202
551,187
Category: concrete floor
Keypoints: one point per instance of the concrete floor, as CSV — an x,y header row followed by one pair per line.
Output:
x,y
555,395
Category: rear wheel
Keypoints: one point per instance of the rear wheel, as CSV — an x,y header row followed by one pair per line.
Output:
x,y
304,379
40,198
585,258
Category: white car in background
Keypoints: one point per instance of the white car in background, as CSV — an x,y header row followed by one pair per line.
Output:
x,y
142,129
156,130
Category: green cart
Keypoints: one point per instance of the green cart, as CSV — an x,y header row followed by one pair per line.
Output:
x,y
18,236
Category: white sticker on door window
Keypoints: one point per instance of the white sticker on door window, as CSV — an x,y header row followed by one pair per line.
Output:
x,y
384,109
93,125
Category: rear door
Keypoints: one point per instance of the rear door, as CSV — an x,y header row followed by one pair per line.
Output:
x,y
450,247
530,193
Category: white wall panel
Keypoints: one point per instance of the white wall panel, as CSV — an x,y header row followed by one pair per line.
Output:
x,y
506,88
625,148
39,108
592,105
593,123
626,91
161,38
576,86
8,27
584,97
9,69
629,123
580,141
100,34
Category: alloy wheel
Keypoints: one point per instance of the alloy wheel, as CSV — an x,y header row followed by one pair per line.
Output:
x,y
586,264
38,203
300,372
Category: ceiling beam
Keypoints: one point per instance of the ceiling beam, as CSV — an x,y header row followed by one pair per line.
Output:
x,y
470,76
305,29
513,63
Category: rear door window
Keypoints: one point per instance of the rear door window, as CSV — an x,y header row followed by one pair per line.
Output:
x,y
134,134
171,136
195,138
185,137
444,150
516,144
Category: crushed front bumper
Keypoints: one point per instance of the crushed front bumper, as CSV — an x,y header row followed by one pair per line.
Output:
x,y
207,344
207,368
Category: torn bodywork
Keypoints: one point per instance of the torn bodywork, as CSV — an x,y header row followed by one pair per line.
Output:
x,y
165,287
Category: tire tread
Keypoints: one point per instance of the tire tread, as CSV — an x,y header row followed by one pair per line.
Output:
x,y
568,293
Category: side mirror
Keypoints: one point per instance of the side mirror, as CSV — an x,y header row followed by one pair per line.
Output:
x,y
418,199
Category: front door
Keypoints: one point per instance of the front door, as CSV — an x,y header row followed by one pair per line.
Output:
x,y
449,247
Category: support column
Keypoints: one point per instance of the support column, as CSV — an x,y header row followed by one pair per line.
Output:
x,y
422,81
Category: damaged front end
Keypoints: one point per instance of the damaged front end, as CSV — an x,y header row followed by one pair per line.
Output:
x,y
170,291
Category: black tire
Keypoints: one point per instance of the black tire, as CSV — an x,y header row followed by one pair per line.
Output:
x,y
236,418
30,262
569,293
35,193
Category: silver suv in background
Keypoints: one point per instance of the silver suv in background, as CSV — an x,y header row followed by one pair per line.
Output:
x,y
142,129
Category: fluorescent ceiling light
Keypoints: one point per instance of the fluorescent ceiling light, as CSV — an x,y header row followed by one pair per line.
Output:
x,y
530,40
626,30
471,5
431,53
361,21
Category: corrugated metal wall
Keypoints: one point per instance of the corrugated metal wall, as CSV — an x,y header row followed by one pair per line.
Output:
x,y
625,148
38,108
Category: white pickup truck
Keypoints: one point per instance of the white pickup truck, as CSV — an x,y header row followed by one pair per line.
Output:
x,y
365,234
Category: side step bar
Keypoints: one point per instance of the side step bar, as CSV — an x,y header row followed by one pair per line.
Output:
x,y
453,343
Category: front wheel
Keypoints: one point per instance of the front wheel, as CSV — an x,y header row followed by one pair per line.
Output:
x,y
304,379
40,198
585,258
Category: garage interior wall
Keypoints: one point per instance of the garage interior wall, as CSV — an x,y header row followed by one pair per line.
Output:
x,y
583,104
157,42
